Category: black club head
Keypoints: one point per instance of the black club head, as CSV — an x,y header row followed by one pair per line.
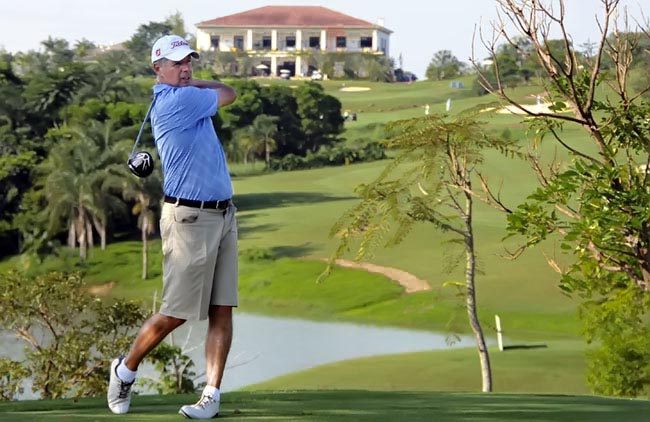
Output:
x,y
141,164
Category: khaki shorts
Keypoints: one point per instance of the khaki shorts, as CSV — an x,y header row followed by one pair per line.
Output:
x,y
199,260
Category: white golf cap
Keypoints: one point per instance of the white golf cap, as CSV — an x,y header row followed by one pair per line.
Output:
x,y
171,47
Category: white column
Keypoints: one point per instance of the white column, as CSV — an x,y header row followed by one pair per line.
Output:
x,y
299,66
274,40
202,40
323,40
249,40
375,40
299,40
274,65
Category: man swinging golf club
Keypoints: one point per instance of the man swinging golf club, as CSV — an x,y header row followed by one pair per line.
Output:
x,y
197,225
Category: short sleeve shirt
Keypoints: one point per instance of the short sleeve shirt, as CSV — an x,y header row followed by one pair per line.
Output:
x,y
193,161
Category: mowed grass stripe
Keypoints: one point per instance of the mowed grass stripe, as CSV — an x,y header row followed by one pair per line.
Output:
x,y
348,406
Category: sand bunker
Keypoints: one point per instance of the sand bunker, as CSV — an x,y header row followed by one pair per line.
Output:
x,y
355,89
407,280
101,289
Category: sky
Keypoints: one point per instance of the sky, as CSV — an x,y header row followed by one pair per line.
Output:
x,y
420,27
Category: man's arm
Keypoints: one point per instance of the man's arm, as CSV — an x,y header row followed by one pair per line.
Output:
x,y
226,96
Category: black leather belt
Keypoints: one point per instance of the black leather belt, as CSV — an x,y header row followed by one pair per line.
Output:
x,y
218,205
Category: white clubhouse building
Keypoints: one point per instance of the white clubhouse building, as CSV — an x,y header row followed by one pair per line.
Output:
x,y
280,37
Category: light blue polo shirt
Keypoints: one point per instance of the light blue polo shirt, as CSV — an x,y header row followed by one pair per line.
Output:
x,y
194,164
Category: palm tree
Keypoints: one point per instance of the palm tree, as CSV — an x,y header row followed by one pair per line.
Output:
x,y
260,134
106,82
147,194
109,166
78,185
242,145
68,189
266,126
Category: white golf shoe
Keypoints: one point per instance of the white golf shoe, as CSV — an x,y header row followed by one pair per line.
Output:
x,y
206,408
119,392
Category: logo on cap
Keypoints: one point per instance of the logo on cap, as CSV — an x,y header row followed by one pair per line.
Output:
x,y
158,52
179,44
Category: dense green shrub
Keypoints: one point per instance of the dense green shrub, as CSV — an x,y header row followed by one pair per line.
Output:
x,y
70,335
337,155
12,374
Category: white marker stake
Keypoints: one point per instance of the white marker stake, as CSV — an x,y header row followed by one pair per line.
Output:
x,y
499,332
448,104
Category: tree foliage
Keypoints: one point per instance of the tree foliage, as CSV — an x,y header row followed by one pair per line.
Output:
x,y
175,368
306,118
69,334
320,115
444,65
12,376
144,37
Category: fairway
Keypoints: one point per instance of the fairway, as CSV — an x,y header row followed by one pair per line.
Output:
x,y
515,371
348,406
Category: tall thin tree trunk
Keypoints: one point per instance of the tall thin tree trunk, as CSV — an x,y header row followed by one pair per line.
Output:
x,y
470,271
89,233
100,226
72,235
145,228
81,237
267,150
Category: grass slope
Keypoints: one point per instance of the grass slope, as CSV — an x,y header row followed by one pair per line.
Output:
x,y
348,406
514,371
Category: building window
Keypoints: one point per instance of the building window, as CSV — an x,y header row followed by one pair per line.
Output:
x,y
341,42
365,42
266,42
291,41
239,42
214,42
314,42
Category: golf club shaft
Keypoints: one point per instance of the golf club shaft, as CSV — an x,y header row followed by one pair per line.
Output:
x,y
146,117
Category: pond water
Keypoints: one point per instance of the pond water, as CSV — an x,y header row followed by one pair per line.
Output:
x,y
265,347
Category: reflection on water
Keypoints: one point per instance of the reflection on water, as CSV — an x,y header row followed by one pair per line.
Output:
x,y
265,347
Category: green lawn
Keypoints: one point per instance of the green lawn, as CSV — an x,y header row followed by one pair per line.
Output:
x,y
534,370
348,406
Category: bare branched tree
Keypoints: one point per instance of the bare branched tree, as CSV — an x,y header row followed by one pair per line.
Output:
x,y
572,83
597,200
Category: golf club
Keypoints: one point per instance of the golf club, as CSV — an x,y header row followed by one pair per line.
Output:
x,y
141,163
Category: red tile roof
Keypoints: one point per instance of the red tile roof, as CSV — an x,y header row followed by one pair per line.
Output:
x,y
290,16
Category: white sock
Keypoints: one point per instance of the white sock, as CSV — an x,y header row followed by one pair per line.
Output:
x,y
124,373
210,390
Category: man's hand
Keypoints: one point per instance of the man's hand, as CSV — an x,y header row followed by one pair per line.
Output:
x,y
227,95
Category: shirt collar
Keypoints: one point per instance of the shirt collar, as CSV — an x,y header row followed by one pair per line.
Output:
x,y
161,87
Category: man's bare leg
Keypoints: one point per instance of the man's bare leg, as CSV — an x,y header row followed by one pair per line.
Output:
x,y
154,330
217,346
123,370
217,343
